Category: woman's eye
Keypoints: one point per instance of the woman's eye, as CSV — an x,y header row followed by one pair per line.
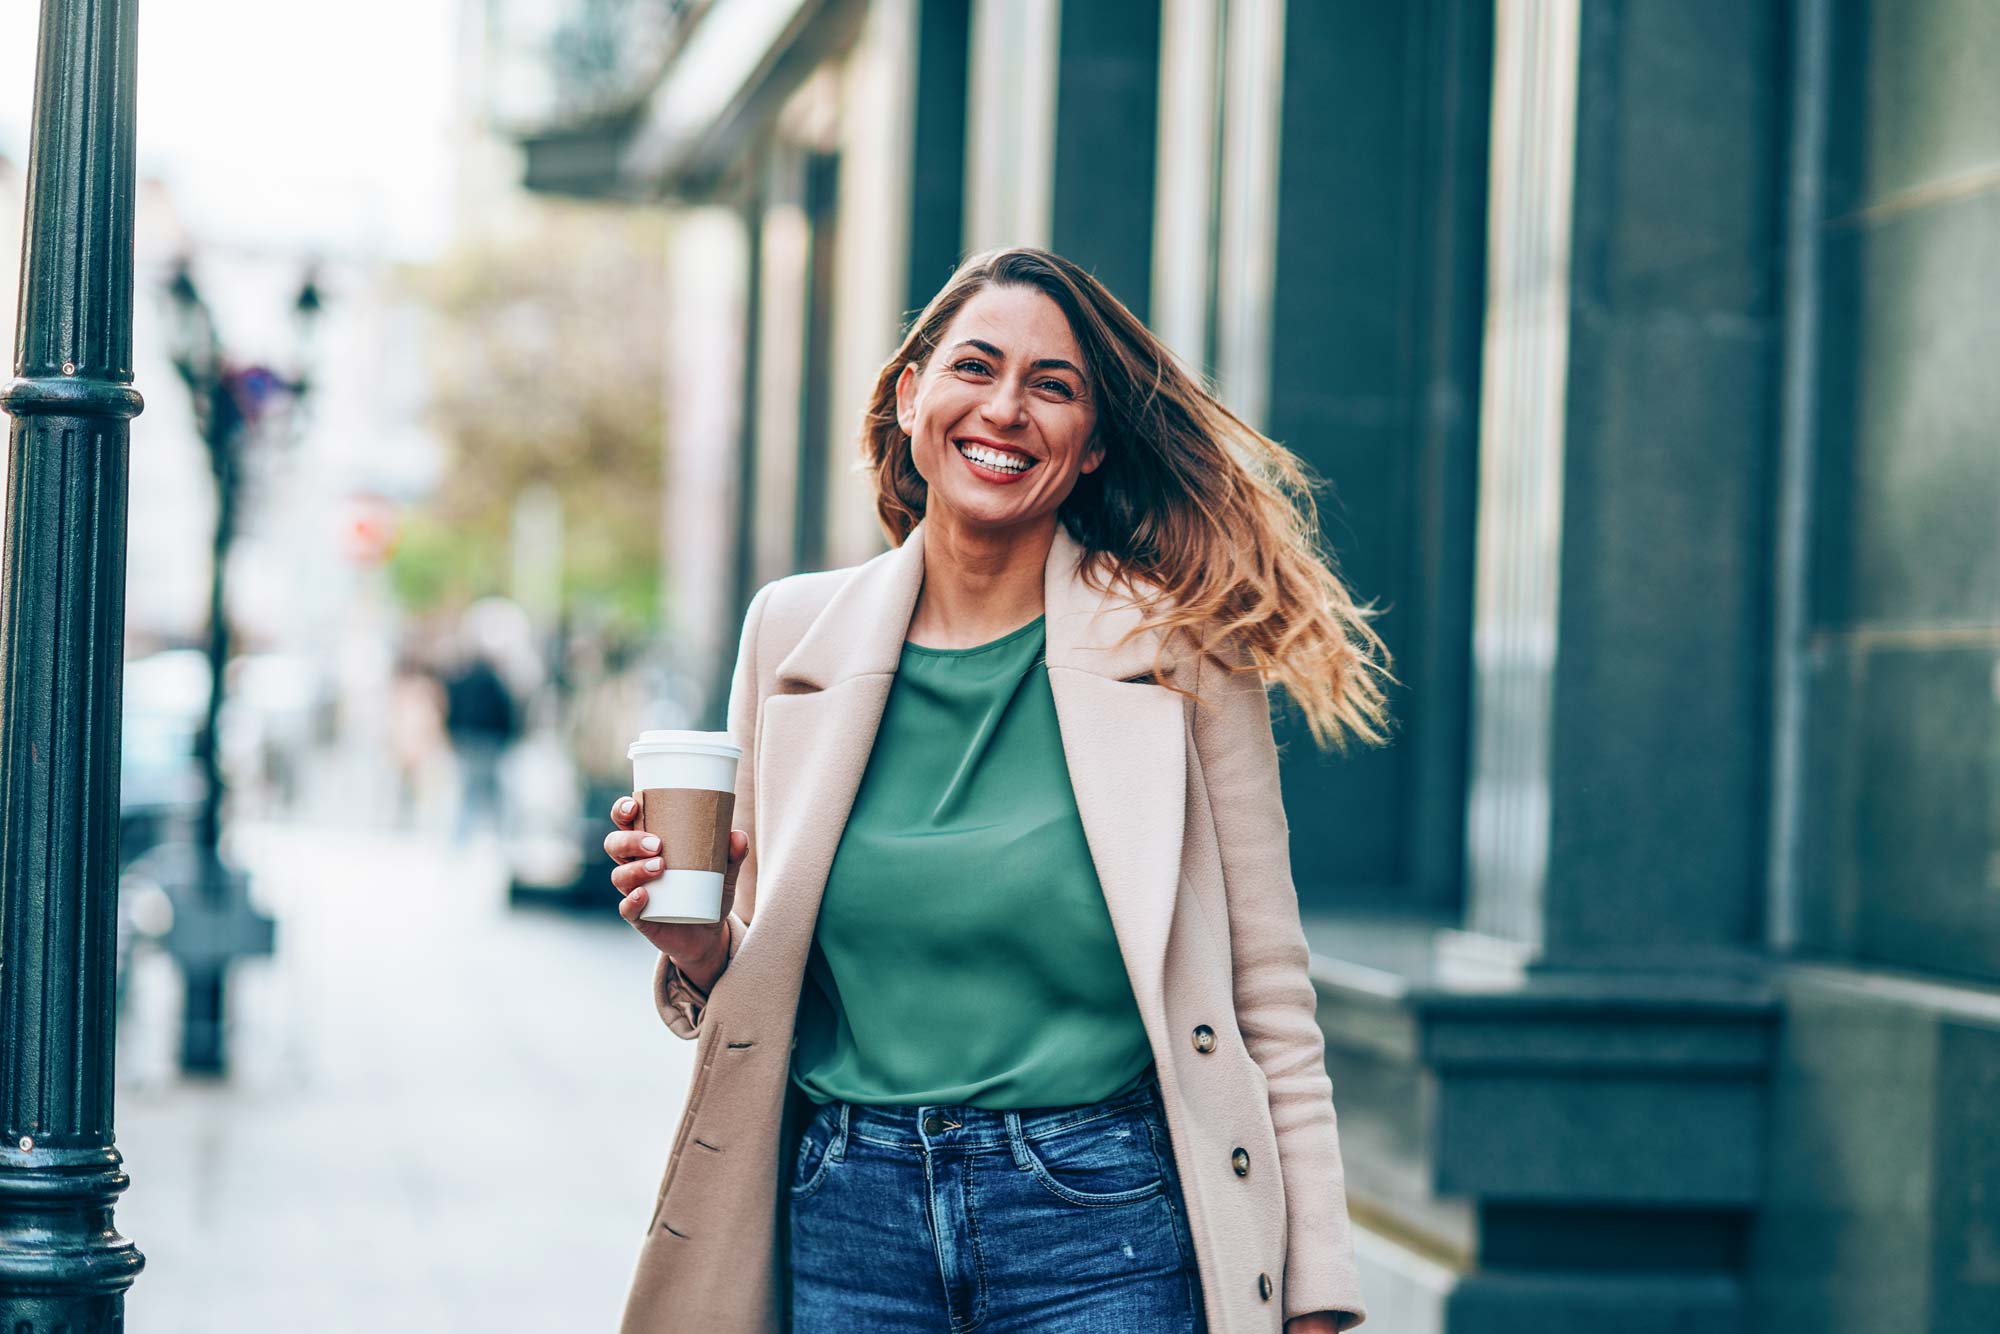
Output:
x,y
1058,387
971,366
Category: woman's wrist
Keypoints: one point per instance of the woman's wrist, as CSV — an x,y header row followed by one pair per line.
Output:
x,y
703,964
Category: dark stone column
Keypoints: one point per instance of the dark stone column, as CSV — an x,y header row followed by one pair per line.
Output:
x,y
1661,670
822,208
1375,353
1884,1182
1626,505
1107,118
937,151
1565,1105
63,1266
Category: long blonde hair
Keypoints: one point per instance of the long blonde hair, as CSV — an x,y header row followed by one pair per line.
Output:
x,y
1220,520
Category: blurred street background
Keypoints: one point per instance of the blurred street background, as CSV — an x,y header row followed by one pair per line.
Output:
x,y
496,351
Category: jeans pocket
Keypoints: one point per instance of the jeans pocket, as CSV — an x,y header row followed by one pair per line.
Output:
x,y
1110,1160
815,1151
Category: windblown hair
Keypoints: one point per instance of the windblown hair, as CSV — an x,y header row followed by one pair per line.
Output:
x,y
1217,519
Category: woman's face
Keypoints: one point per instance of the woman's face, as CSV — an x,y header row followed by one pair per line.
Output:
x,y
1001,420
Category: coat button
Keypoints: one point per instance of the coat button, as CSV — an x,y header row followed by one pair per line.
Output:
x,y
1264,1286
1240,1159
933,1124
1204,1038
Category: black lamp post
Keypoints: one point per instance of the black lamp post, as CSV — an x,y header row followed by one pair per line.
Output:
x,y
236,406
63,1265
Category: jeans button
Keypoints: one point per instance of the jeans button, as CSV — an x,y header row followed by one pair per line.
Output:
x,y
933,1124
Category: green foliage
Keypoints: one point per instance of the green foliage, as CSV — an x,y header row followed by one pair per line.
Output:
x,y
432,567
546,366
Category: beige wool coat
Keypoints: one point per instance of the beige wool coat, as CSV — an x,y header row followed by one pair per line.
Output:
x,y
1183,818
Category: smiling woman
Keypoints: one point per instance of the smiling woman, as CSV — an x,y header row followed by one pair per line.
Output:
x,y
1024,1034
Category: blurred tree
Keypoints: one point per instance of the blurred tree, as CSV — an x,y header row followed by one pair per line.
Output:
x,y
606,51
545,366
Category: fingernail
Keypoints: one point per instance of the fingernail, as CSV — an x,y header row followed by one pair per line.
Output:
x,y
655,866
649,843
625,805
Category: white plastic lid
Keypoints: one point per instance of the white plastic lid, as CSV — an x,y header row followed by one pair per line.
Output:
x,y
666,740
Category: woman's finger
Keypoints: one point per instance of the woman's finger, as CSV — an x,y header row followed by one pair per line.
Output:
x,y
624,812
623,846
634,874
632,905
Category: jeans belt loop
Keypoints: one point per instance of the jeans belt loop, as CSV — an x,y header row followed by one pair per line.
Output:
x,y
838,1149
1015,1140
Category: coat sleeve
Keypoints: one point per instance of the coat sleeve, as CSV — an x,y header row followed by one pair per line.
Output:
x,y
1276,1006
678,1000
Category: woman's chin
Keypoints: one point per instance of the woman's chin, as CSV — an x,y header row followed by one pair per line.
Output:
x,y
996,522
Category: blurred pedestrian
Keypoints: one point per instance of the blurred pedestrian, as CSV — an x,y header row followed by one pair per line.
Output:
x,y
1012,1043
481,718
416,738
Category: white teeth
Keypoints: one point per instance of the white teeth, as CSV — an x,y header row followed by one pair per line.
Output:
x,y
994,459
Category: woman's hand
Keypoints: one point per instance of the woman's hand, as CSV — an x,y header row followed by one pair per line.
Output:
x,y
698,949
1319,1322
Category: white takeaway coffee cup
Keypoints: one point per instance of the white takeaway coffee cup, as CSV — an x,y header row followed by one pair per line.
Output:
x,y
685,783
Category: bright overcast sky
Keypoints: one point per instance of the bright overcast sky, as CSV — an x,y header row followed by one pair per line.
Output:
x,y
282,123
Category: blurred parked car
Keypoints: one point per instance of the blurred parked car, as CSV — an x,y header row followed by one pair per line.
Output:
x,y
556,822
270,720
273,715
160,788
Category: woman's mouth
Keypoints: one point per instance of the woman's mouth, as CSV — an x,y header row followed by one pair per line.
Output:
x,y
995,464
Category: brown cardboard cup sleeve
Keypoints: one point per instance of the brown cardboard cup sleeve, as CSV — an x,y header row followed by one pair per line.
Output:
x,y
692,823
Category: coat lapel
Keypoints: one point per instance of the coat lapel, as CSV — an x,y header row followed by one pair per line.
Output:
x,y
1123,741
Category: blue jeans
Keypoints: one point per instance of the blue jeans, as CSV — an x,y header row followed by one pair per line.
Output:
x,y
945,1220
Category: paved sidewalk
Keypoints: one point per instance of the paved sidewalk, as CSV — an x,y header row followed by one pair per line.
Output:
x,y
443,1115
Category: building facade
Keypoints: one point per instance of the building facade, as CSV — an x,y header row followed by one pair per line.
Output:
x,y
1646,347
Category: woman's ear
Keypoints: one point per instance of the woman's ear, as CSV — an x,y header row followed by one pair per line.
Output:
x,y
906,398
1093,455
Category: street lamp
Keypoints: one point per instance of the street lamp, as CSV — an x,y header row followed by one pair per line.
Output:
x,y
63,1264
306,309
235,406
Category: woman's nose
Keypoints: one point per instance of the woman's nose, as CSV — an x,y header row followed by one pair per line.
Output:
x,y
1003,406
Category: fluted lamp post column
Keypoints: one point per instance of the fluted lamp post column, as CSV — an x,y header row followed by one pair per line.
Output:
x,y
63,1266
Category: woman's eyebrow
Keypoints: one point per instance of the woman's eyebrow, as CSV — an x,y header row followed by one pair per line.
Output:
x,y
1045,364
